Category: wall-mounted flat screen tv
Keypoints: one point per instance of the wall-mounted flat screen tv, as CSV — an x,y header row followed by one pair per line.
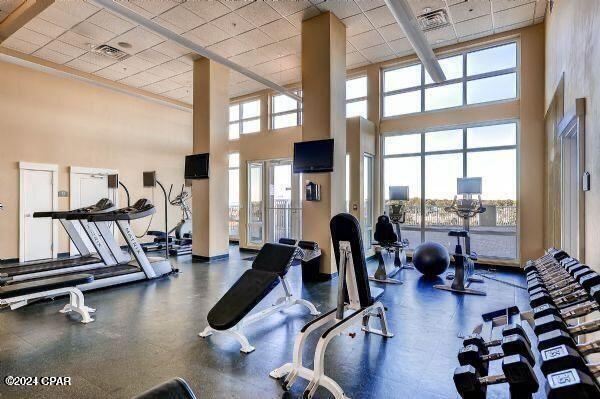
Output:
x,y
313,156
196,166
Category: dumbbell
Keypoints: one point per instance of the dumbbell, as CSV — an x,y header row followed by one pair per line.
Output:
x,y
555,270
565,301
572,312
559,337
562,357
517,372
559,275
551,266
483,345
571,383
552,322
511,345
585,280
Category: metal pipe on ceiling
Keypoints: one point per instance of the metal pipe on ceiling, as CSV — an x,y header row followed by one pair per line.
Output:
x,y
405,17
188,44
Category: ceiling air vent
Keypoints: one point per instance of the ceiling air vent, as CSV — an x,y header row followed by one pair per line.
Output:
x,y
109,51
432,20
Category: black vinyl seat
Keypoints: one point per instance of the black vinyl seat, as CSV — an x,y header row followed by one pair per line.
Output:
x,y
47,284
384,231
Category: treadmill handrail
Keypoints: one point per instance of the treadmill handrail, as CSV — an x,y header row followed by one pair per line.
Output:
x,y
129,213
102,205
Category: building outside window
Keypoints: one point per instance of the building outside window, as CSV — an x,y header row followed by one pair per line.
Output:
x,y
285,111
356,97
244,118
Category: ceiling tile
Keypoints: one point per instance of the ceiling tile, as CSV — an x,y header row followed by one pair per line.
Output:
x,y
140,79
161,72
254,38
250,58
138,10
367,5
469,10
31,37
280,29
155,7
357,24
20,45
376,52
232,24
183,18
52,55
518,25
184,79
207,10
367,39
297,17
171,49
80,9
419,6
293,45
135,64
258,13
64,48
60,18
350,48
177,66
514,15
139,38
228,48
540,9
380,16
401,46
82,65
289,61
206,35
474,26
76,40
475,36
111,22
500,5
341,8
178,93
99,60
441,35
235,4
113,72
167,25
97,34
354,58
161,86
266,68
391,32
188,58
286,8
45,28
153,56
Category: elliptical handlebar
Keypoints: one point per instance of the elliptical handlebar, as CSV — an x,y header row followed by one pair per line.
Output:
x,y
466,207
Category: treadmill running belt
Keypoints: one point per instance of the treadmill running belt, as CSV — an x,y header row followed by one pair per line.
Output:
x,y
53,265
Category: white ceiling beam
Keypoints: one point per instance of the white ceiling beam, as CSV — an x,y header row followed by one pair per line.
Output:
x,y
405,17
188,44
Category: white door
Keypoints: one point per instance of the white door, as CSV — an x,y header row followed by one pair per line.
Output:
x,y
37,188
86,190
284,211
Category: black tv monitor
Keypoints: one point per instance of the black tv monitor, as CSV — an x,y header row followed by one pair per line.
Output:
x,y
313,156
196,166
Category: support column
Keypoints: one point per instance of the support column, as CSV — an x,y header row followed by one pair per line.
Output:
x,y
324,108
210,196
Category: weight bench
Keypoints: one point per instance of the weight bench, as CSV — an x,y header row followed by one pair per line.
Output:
x,y
269,268
18,295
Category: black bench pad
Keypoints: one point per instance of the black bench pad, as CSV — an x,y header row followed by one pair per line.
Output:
x,y
177,388
274,258
45,284
241,298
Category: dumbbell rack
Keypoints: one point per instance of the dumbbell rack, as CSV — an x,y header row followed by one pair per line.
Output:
x,y
564,294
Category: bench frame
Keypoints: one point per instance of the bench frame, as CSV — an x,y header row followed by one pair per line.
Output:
x,y
76,301
286,301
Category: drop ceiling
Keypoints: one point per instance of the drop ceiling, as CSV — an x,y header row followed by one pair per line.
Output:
x,y
263,36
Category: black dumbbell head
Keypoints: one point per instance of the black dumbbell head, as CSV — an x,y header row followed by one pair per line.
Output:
x,y
560,255
467,382
580,272
538,290
560,358
545,310
571,383
589,280
520,375
541,298
595,292
471,355
512,329
555,338
516,345
549,323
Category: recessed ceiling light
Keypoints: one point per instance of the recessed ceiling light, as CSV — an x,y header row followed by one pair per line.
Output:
x,y
124,44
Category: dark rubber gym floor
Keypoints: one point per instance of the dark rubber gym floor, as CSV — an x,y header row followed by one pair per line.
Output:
x,y
146,333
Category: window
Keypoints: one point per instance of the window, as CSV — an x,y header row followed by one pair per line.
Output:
x,y
244,117
356,97
472,77
285,111
429,164
234,195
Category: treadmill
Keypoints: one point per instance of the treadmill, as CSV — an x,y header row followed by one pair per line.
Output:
x,y
107,250
141,267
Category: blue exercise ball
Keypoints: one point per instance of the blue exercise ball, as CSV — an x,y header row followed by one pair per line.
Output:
x,y
431,259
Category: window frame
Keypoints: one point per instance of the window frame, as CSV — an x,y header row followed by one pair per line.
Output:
x,y
297,111
240,121
229,169
464,79
357,99
464,150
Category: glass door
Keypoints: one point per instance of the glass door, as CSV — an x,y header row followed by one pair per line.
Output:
x,y
368,200
256,206
284,212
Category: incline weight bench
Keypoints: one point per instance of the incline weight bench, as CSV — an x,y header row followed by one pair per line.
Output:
x,y
269,268
18,295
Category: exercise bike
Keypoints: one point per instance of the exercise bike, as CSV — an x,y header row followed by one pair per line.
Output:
x,y
388,237
466,207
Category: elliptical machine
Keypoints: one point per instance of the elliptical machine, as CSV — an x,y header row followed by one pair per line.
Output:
x,y
388,237
466,208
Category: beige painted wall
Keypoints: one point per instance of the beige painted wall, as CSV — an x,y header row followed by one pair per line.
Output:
x,y
49,119
572,37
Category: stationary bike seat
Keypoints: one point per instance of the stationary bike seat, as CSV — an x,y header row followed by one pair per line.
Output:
x,y
458,233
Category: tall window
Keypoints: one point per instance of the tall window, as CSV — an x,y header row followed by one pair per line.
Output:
x,y
472,77
234,195
356,97
430,162
368,200
285,111
244,117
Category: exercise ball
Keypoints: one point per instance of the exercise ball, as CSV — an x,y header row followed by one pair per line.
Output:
x,y
431,259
